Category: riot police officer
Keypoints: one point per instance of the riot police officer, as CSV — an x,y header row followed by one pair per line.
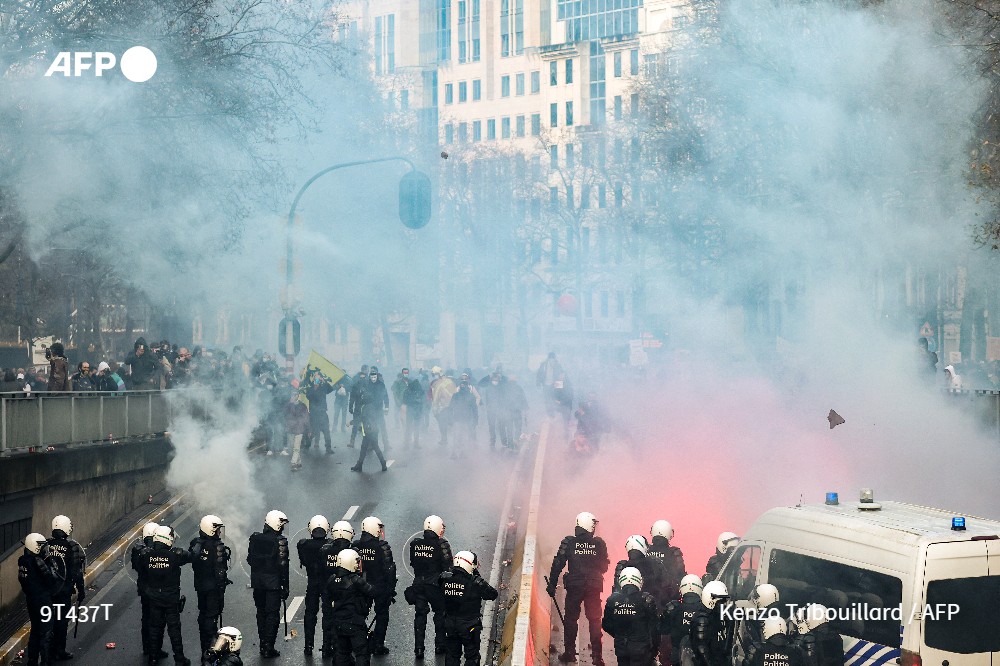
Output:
x,y
651,569
430,555
210,562
725,543
820,644
748,628
670,556
708,632
225,648
267,556
38,579
148,532
161,565
585,556
70,563
341,536
464,592
380,571
678,614
312,560
775,649
631,618
348,598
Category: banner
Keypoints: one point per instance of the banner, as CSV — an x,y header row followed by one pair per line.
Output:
x,y
316,363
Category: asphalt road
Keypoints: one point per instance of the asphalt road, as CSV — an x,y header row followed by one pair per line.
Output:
x,y
467,492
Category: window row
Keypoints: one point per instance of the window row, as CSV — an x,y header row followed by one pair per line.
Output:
x,y
460,131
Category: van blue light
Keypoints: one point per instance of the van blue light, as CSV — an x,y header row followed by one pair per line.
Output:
x,y
958,523
833,499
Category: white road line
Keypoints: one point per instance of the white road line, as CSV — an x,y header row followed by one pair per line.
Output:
x,y
292,607
350,512
388,463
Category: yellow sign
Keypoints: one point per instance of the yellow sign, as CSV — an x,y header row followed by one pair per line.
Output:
x,y
330,372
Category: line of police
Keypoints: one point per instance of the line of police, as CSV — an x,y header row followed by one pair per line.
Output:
x,y
656,607
345,577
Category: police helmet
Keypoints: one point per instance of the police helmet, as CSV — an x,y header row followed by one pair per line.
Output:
x,y
773,625
466,559
636,542
276,520
62,523
436,370
726,541
34,542
342,530
229,639
712,592
764,595
373,526
434,524
630,576
587,521
801,626
349,559
211,525
815,615
662,528
149,529
691,583
319,523
164,534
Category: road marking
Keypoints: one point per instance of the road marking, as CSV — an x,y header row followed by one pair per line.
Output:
x,y
388,463
350,512
292,607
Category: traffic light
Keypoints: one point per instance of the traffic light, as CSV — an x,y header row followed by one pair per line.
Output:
x,y
414,199
289,337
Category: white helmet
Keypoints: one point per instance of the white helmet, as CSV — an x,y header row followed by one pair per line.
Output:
x,y
712,592
726,541
319,522
815,615
691,583
630,576
436,370
764,595
801,626
34,542
276,520
349,559
62,523
773,625
587,521
636,542
467,560
229,638
342,530
373,526
434,524
164,534
662,528
211,525
149,529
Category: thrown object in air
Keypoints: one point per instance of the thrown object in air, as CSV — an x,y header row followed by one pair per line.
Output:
x,y
835,419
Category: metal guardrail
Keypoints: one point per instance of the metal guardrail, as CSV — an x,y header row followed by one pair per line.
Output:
x,y
43,420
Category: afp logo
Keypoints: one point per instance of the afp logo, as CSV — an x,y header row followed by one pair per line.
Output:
x,y
138,64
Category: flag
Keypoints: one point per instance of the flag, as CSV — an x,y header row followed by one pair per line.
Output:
x,y
316,363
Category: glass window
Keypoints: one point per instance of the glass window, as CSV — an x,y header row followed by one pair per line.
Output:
x,y
634,62
554,114
477,130
536,82
618,64
570,156
519,83
802,579
477,90
491,129
463,92
554,73
553,157
449,133
585,196
505,128
740,572
463,132
973,628
449,93
569,203
569,113
404,99
505,86
619,195
569,70
602,195
618,107
635,104
536,124
554,197
519,126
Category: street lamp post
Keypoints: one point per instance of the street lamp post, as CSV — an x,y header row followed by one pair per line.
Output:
x,y
414,212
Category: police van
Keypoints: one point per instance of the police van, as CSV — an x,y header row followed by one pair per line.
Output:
x,y
903,584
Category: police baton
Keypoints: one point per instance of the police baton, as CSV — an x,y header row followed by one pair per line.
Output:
x,y
370,625
554,602
284,603
76,619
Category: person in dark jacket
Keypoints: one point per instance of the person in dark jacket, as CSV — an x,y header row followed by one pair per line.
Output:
x,y
498,401
210,562
58,368
723,546
708,630
677,616
671,557
414,403
637,556
70,562
354,398
161,566
296,427
820,644
630,617
138,548
341,537
464,592
267,556
312,559
775,649
341,391
143,367
82,379
348,599
463,416
225,649
319,420
585,556
38,579
430,556
379,569
370,408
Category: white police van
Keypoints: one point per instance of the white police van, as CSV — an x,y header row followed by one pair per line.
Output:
x,y
904,584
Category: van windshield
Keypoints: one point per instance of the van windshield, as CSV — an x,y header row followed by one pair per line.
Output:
x,y
975,627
